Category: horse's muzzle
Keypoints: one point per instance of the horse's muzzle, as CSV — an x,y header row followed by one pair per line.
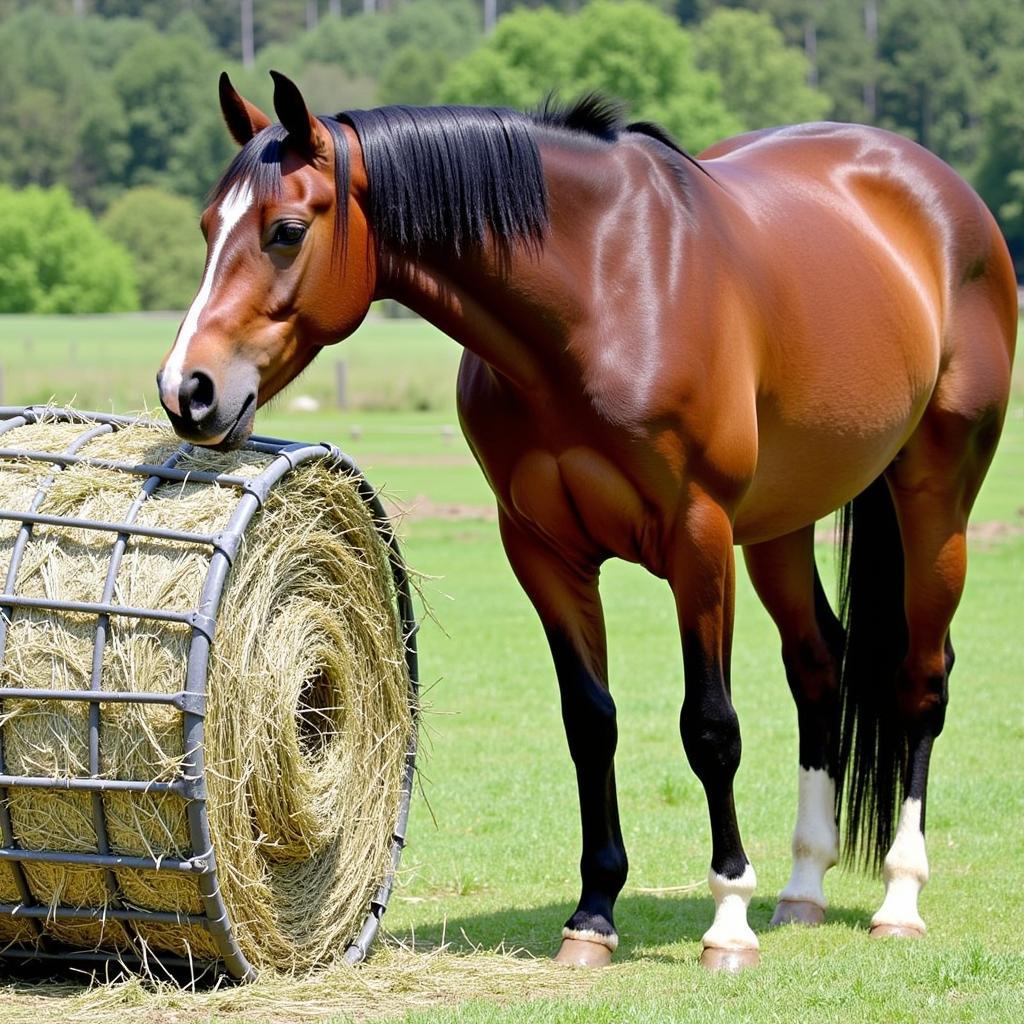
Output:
x,y
204,416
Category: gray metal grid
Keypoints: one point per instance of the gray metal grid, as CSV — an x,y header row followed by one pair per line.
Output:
x,y
191,701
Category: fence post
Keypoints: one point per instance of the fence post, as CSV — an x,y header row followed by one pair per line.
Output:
x,y
341,384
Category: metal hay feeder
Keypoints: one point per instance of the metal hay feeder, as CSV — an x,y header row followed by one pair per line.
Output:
x,y
190,786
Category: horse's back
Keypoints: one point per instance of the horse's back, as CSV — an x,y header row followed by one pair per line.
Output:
x,y
807,171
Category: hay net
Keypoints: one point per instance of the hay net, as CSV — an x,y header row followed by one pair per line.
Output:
x,y
297,773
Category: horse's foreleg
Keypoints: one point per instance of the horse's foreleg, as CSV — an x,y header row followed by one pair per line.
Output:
x,y
564,592
786,580
703,583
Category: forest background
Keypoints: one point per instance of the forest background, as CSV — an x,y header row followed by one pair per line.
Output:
x,y
110,131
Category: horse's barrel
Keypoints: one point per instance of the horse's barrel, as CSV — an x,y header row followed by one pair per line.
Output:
x,y
207,698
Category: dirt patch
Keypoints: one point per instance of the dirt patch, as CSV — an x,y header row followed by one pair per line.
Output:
x,y
441,459
422,507
989,533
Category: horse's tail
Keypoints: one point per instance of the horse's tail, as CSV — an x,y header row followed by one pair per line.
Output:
x,y
871,753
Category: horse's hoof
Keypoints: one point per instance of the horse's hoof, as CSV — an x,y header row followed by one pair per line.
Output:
x,y
730,960
581,953
896,931
797,912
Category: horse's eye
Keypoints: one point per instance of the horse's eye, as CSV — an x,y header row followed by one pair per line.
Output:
x,y
289,233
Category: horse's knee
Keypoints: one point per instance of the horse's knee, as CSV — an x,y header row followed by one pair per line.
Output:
x,y
711,739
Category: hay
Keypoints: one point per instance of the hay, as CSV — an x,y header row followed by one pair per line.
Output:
x,y
398,981
308,715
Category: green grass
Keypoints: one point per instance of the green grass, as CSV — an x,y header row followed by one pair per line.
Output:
x,y
105,362
493,840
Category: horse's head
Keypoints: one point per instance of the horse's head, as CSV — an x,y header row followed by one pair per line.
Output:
x,y
289,267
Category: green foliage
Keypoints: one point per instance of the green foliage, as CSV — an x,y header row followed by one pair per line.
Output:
x,y
367,47
628,50
175,135
1000,175
764,82
126,95
56,260
160,232
412,75
926,87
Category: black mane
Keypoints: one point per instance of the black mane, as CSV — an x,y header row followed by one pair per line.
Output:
x,y
443,178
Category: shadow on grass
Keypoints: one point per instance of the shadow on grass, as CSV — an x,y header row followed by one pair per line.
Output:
x,y
645,922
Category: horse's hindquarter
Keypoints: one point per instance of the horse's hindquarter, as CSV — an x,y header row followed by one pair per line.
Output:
x,y
861,242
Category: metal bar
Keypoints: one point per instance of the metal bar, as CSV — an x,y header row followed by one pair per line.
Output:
x,y
6,611
39,413
193,726
181,700
12,423
195,866
94,785
69,956
185,476
72,523
96,607
99,814
100,914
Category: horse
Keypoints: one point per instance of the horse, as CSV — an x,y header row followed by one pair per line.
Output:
x,y
666,357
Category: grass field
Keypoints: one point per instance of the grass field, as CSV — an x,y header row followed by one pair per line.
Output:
x,y
491,861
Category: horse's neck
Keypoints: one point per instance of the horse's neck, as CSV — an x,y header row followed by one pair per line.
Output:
x,y
516,309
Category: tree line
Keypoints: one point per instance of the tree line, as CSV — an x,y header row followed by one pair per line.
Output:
x,y
110,133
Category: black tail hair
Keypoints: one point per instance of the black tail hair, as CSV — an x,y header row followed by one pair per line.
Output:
x,y
872,742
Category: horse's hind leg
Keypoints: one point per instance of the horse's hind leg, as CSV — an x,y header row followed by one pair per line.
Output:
x,y
786,580
563,589
933,485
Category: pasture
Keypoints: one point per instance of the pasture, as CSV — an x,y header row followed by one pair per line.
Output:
x,y
490,871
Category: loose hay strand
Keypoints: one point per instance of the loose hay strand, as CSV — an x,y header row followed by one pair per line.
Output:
x,y
308,711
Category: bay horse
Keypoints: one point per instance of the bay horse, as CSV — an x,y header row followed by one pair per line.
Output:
x,y
664,357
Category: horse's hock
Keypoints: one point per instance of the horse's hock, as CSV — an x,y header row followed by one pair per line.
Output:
x,y
207,698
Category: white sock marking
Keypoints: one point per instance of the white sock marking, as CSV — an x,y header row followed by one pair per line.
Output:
x,y
232,209
732,895
589,935
815,837
905,871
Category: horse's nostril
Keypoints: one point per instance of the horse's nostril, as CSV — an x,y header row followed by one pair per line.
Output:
x,y
197,396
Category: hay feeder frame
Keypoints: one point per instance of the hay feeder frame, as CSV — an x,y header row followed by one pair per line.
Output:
x,y
190,786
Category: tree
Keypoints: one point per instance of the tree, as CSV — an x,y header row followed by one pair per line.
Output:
x,y
160,232
167,88
56,260
926,87
1000,175
364,45
412,75
629,50
61,120
764,81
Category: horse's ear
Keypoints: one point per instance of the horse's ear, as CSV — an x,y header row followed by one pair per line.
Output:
x,y
243,119
303,128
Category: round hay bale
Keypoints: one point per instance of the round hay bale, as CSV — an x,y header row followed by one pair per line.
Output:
x,y
207,698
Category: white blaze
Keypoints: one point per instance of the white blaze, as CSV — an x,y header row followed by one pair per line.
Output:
x,y
905,871
232,209
815,838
